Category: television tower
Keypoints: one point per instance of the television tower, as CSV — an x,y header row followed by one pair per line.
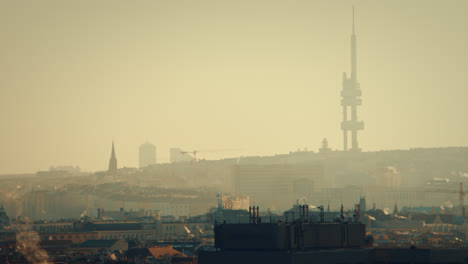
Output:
x,y
351,98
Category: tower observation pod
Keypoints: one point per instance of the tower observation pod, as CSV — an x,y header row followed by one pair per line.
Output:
x,y
350,100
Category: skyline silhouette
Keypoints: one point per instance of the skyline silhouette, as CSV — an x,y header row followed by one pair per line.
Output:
x,y
263,76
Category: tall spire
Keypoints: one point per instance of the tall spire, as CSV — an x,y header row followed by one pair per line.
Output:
x,y
353,53
113,150
113,160
351,94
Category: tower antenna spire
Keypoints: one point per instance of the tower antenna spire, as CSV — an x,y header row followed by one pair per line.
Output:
x,y
351,94
353,20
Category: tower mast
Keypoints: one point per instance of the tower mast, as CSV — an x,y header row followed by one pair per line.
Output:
x,y
353,53
350,98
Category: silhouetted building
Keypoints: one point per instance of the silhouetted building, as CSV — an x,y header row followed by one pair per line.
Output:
x,y
350,97
324,148
289,236
147,155
277,242
4,219
362,203
113,160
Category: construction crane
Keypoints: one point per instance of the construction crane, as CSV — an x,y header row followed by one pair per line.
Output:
x,y
194,153
460,192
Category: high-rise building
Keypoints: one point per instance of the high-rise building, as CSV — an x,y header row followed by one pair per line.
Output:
x,y
351,98
362,203
147,155
113,160
4,219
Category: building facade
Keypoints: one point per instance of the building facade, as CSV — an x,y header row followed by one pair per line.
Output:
x,y
147,155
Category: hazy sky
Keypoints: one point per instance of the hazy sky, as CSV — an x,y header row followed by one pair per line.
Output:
x,y
259,75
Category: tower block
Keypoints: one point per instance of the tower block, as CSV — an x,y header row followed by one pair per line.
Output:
x,y
350,100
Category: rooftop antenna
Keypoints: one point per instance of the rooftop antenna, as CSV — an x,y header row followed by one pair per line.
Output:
x,y
219,201
357,212
342,213
322,214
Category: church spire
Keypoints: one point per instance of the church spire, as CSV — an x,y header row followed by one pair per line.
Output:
x,y
113,150
113,160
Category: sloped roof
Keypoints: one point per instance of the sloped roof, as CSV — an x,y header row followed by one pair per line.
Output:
x,y
112,226
133,252
97,243
159,252
55,243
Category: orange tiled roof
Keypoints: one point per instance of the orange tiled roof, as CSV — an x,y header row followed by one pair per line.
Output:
x,y
159,252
